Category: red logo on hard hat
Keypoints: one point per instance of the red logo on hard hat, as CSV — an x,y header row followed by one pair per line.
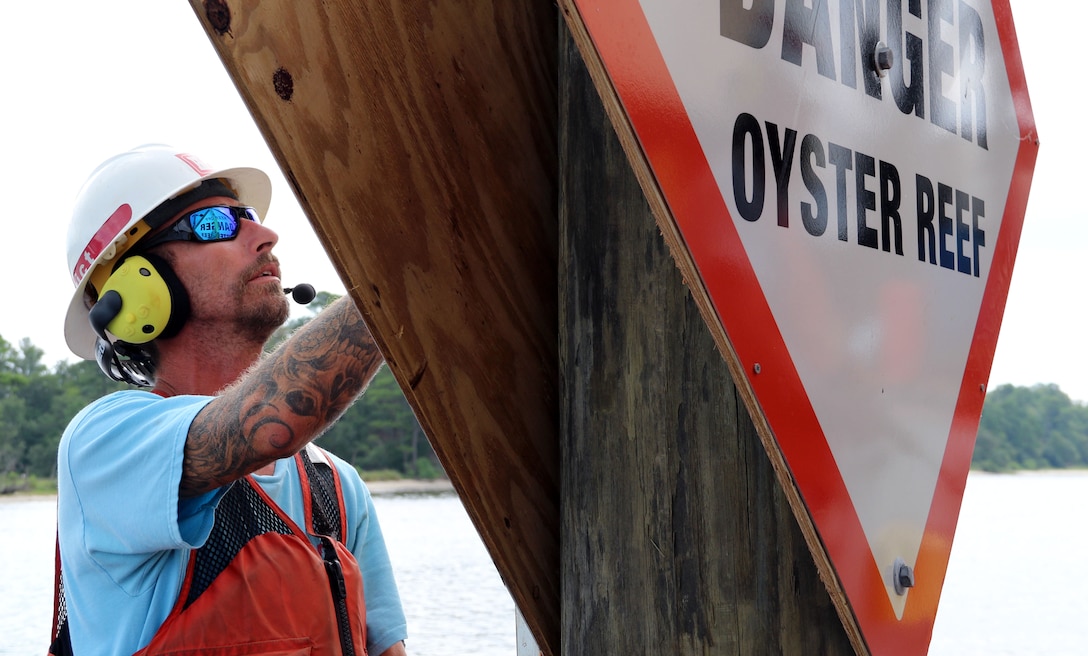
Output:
x,y
101,239
195,164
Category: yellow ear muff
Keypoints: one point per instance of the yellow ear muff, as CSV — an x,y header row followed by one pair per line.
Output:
x,y
145,306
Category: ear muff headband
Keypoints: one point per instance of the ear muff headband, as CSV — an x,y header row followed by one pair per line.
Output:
x,y
126,363
153,302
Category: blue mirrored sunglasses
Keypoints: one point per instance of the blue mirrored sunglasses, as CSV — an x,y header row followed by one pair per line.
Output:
x,y
207,224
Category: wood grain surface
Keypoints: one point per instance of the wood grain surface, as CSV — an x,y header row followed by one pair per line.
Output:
x,y
420,139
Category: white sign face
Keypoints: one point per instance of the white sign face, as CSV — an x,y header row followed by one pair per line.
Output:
x,y
866,226
861,156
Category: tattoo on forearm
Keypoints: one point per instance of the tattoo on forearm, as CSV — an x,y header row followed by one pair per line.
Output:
x,y
285,401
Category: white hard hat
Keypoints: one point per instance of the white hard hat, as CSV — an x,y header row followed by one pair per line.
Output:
x,y
110,209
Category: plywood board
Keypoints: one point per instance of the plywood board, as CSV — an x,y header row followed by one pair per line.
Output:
x,y
420,140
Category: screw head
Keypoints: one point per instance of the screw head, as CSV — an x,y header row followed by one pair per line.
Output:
x,y
883,59
902,577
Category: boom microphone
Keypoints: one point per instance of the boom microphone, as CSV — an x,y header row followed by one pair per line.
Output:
x,y
301,294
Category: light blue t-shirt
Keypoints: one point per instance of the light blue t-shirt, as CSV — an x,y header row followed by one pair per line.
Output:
x,y
126,535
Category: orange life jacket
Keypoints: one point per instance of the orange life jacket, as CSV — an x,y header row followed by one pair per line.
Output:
x,y
258,585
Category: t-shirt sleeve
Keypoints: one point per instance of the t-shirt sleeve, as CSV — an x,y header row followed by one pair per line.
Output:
x,y
123,458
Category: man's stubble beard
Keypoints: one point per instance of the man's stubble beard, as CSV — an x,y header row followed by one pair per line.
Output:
x,y
264,317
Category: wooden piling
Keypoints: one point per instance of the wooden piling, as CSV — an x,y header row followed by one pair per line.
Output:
x,y
676,537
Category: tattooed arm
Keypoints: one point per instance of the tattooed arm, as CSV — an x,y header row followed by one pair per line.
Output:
x,y
284,402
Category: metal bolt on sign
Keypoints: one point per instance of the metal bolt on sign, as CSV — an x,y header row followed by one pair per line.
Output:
x,y
902,576
883,59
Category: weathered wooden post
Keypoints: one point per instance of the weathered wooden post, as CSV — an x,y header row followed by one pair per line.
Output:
x,y
676,538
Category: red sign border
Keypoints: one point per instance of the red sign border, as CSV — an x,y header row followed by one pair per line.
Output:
x,y
642,81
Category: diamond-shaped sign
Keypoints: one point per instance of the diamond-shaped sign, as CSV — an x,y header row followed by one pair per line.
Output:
x,y
850,181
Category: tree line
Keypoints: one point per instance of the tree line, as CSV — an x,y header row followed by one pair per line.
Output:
x,y
378,434
1036,427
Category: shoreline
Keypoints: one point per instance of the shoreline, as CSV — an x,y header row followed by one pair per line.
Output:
x,y
443,485
377,489
409,486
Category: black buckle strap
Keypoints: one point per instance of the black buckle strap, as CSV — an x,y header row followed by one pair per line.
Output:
x,y
339,588
337,583
326,526
323,498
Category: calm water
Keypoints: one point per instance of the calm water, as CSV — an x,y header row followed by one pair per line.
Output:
x,y
1015,579
1014,582
453,597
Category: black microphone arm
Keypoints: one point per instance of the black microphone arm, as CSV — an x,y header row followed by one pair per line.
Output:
x,y
301,294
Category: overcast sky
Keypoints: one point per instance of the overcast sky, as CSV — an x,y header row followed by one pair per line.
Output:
x,y
88,80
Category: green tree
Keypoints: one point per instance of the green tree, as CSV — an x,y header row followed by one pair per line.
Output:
x,y
14,414
12,444
36,404
380,431
1031,428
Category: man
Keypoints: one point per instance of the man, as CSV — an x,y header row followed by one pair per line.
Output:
x,y
197,516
